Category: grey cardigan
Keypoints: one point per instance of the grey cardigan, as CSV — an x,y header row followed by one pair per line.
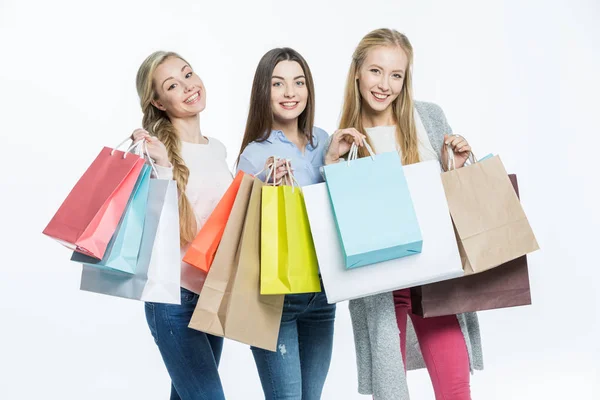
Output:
x,y
376,335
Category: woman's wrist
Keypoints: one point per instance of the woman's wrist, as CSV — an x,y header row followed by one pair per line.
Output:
x,y
330,159
163,162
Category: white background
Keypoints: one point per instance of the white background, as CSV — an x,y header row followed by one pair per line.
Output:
x,y
517,78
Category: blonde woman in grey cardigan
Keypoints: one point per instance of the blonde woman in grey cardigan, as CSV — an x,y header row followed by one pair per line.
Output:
x,y
389,338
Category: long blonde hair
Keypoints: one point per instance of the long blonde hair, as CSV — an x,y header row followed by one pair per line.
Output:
x,y
158,124
402,107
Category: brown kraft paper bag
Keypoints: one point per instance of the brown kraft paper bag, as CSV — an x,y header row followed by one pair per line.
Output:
x,y
233,307
490,223
502,287
252,318
209,315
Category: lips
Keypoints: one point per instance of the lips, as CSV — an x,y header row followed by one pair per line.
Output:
x,y
289,105
193,98
380,97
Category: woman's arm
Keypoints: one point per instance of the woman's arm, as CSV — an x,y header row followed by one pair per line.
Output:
x,y
459,145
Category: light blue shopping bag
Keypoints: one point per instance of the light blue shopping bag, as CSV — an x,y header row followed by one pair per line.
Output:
x,y
122,250
157,276
373,209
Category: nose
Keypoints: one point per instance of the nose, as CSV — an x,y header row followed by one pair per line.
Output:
x,y
383,84
189,87
290,91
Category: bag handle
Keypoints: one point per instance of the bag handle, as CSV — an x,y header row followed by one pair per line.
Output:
x,y
139,148
452,162
288,180
271,168
290,176
134,147
145,152
353,154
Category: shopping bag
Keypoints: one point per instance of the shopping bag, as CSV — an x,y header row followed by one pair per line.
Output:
x,y
288,261
123,249
373,209
501,287
158,270
491,226
89,216
250,317
201,251
210,313
439,259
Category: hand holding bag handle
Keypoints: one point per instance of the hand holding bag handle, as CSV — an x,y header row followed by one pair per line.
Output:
x,y
451,163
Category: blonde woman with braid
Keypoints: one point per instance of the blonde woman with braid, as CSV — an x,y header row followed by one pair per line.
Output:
x,y
172,97
389,338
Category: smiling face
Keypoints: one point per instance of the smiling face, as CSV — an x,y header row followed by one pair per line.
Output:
x,y
381,77
289,92
180,92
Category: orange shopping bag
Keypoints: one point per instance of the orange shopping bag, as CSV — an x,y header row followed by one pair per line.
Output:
x,y
202,250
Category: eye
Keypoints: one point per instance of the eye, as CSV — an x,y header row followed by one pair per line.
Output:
x,y
300,83
277,84
397,76
374,70
172,86
189,74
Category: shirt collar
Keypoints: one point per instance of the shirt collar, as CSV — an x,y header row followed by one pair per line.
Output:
x,y
278,135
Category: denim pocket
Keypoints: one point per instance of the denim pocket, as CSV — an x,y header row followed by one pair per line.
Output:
x,y
188,297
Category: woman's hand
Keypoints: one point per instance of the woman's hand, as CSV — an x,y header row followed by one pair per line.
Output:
x,y
460,148
156,149
281,170
341,142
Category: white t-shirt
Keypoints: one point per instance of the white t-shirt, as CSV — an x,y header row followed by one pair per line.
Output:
x,y
383,139
209,178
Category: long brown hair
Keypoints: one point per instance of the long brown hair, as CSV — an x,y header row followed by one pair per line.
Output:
x,y
158,124
260,114
403,105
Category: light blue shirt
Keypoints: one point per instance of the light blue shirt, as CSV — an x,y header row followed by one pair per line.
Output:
x,y
306,166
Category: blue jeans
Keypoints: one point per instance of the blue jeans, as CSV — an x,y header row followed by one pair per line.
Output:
x,y
297,370
191,357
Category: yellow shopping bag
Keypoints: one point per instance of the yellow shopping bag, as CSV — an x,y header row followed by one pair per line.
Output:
x,y
288,260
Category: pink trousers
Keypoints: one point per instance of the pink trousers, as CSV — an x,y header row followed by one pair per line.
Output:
x,y
443,347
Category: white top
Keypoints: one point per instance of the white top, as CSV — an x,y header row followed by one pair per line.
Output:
x,y
383,139
209,178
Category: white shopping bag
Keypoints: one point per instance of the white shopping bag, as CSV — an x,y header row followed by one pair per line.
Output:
x,y
158,272
438,261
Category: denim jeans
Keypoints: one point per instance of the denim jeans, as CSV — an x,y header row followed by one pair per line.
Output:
x,y
297,370
191,357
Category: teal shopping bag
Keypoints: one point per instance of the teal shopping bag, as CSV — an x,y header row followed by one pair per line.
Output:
x,y
373,209
122,251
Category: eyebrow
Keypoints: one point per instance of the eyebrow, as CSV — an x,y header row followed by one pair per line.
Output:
x,y
174,78
279,77
396,70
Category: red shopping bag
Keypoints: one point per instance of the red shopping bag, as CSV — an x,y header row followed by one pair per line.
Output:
x,y
88,218
203,248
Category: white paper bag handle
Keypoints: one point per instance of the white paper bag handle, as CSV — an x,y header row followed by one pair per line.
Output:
x,y
134,147
271,168
289,179
145,151
353,154
290,176
452,163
